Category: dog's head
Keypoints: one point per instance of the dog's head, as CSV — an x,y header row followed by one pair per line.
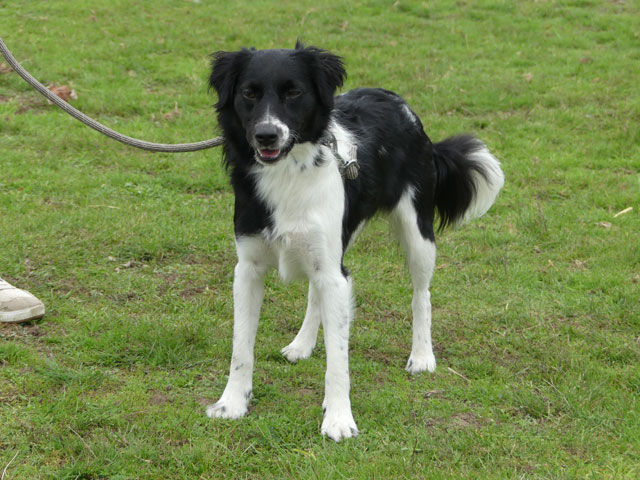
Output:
x,y
273,99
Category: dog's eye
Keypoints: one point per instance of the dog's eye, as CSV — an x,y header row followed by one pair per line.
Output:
x,y
293,92
249,94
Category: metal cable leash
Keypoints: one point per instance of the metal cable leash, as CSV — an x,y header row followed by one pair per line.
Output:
x,y
77,114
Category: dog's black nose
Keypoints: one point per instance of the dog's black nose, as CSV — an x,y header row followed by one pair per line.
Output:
x,y
266,134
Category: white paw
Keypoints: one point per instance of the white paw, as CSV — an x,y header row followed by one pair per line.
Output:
x,y
339,425
421,363
229,408
296,351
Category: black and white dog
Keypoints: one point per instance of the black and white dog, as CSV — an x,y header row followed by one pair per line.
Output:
x,y
287,140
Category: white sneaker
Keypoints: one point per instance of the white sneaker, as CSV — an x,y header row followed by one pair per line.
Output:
x,y
18,305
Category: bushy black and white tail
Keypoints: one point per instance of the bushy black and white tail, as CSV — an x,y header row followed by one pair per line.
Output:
x,y
468,179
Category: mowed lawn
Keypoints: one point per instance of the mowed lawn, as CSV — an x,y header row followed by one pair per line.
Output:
x,y
536,316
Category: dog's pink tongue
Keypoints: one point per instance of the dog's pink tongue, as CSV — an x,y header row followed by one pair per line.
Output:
x,y
269,153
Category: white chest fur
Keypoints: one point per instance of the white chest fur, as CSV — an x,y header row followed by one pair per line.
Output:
x,y
307,205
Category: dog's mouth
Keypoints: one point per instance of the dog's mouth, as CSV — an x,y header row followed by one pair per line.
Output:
x,y
268,155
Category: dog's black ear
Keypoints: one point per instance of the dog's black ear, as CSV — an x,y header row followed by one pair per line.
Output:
x,y
225,68
334,73
327,69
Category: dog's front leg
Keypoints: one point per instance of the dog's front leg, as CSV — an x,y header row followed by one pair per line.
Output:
x,y
248,290
336,312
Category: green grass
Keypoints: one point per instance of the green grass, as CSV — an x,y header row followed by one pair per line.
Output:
x,y
536,305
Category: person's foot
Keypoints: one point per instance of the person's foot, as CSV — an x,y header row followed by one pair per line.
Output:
x,y
18,305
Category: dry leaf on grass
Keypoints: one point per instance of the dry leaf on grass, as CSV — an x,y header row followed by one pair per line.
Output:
x,y
433,393
578,264
64,92
130,264
4,68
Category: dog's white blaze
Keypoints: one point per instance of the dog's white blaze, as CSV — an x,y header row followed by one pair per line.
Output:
x,y
284,134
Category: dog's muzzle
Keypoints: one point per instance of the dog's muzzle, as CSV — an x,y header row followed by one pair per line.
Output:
x,y
271,141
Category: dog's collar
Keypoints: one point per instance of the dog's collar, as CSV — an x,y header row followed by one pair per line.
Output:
x,y
348,167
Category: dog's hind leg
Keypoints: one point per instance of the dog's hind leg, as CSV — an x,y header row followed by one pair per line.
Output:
x,y
421,258
302,346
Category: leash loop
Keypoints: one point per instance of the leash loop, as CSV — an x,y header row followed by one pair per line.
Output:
x,y
78,115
